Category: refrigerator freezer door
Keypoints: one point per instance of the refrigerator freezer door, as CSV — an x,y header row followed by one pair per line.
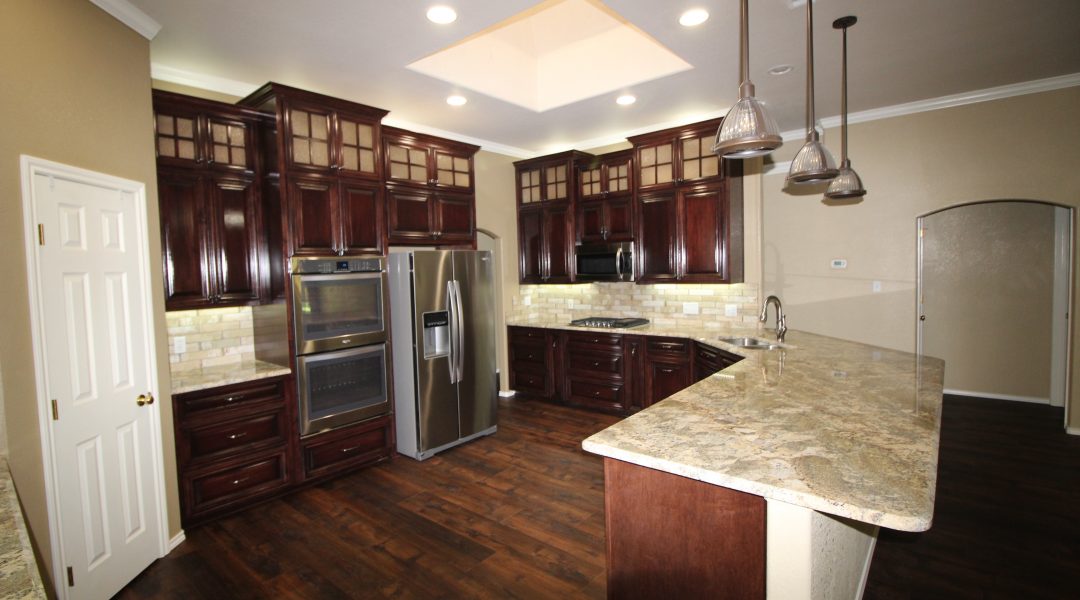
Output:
x,y
477,391
436,395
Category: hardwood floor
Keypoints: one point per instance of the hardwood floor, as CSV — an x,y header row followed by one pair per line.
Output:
x,y
516,515
1006,515
520,515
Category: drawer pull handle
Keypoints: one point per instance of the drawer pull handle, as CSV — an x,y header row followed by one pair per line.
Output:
x,y
233,399
348,450
596,340
667,370
236,436
596,364
239,481
669,345
529,356
596,394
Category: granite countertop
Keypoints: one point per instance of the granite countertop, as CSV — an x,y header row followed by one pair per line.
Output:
x,y
210,377
19,576
835,426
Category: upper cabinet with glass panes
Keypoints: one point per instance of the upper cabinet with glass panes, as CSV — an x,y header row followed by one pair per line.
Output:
x,y
677,156
189,133
324,134
552,178
427,161
607,175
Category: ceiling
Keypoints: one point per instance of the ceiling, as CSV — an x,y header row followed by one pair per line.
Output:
x,y
899,53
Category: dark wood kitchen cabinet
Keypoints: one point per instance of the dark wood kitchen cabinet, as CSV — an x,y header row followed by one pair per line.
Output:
x,y
595,371
429,217
426,161
346,448
209,200
689,208
546,193
233,446
535,356
708,360
329,156
667,368
605,198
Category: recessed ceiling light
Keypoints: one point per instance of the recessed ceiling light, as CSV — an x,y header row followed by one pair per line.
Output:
x,y
441,14
693,17
456,100
625,100
780,70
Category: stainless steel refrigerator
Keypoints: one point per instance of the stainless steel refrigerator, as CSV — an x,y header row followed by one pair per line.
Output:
x,y
442,304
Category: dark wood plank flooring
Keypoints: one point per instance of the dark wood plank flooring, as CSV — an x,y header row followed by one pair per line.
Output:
x,y
1006,515
520,515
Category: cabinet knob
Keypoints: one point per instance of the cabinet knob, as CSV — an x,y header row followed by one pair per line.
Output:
x,y
433,182
596,394
239,481
335,167
236,436
596,364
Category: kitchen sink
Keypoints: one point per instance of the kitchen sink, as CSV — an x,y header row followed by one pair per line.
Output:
x,y
751,343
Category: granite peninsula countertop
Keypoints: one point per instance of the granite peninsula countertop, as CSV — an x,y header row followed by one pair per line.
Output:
x,y
209,377
831,425
19,577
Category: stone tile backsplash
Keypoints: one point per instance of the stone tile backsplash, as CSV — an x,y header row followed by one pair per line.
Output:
x,y
212,336
664,304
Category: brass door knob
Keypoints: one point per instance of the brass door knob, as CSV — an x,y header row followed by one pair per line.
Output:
x,y
145,399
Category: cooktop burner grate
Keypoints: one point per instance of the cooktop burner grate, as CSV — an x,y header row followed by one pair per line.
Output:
x,y
610,323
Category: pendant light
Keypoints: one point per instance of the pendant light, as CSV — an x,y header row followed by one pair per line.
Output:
x,y
747,130
847,184
813,163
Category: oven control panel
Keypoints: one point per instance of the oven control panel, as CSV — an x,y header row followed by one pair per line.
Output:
x,y
314,265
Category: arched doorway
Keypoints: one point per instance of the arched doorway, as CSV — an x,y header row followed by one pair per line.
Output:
x,y
488,240
994,285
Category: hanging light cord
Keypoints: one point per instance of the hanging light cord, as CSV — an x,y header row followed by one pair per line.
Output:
x,y
843,105
811,130
746,89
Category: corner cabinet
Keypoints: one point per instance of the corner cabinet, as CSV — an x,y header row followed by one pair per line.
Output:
x,y
691,202
546,193
329,155
208,193
430,189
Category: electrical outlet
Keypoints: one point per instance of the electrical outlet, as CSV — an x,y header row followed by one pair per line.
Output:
x,y
731,310
569,303
691,308
526,300
179,344
838,263
877,287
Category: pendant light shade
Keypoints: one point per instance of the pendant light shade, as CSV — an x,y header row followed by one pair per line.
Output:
x,y
847,184
747,130
813,163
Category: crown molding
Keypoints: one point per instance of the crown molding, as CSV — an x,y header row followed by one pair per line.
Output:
x,y
973,97
200,80
488,145
129,15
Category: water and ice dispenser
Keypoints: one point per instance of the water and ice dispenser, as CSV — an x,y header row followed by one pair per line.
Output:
x,y
436,334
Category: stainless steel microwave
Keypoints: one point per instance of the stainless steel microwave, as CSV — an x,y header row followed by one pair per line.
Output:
x,y
605,262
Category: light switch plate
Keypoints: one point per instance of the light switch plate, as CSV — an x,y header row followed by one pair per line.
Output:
x,y
731,310
179,344
691,308
838,263
877,287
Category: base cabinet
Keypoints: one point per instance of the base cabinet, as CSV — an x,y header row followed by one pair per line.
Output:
x,y
335,451
533,354
667,367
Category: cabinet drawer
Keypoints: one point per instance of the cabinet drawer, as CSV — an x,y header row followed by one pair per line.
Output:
x,y
339,452
603,342
674,347
224,439
527,333
594,365
528,351
206,402
239,482
604,396
525,380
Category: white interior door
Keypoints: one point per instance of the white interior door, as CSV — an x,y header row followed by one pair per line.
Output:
x,y
97,344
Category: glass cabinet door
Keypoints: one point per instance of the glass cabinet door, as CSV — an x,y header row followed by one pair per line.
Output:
x,y
309,139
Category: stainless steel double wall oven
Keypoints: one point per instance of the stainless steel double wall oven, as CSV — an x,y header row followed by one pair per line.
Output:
x,y
340,327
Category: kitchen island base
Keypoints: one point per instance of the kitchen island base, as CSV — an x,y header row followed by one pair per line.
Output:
x,y
670,536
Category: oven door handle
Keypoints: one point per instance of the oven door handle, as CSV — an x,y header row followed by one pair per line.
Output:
x,y
451,311
460,317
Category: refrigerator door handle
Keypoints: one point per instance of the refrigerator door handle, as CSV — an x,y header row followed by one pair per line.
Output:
x,y
459,313
451,359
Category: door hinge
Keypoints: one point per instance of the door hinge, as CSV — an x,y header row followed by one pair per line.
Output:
x,y
55,411
41,234
71,577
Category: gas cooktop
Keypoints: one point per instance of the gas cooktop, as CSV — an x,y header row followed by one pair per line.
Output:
x,y
610,323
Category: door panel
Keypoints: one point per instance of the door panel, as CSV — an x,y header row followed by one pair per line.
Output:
x,y
560,243
476,392
184,239
361,209
530,249
235,217
620,219
409,215
437,401
98,357
657,235
591,221
313,209
454,218
702,224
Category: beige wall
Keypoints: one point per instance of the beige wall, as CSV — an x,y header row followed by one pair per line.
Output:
x,y
76,90
1017,148
999,250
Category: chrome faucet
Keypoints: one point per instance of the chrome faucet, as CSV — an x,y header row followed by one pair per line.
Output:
x,y
781,322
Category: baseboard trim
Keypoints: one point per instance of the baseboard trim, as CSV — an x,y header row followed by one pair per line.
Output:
x,y
507,394
176,540
1028,399
1072,430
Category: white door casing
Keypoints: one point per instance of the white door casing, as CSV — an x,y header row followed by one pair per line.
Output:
x,y
94,356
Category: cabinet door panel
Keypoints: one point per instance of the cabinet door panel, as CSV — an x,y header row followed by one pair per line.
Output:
x,y
308,144
530,245
410,216
313,208
664,379
177,134
275,239
657,237
591,221
559,246
703,226
406,163
229,144
362,219
454,218
236,229
184,240
453,170
356,146
619,215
